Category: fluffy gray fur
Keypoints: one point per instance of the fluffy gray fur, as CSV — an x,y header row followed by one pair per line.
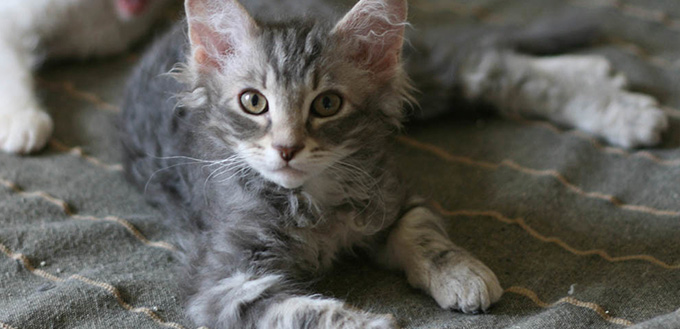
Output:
x,y
251,236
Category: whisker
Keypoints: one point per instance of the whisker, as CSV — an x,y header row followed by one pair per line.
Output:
x,y
148,181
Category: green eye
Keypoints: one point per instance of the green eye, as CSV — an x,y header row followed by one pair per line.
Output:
x,y
326,104
253,102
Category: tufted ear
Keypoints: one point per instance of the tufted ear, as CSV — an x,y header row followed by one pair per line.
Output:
x,y
373,34
218,29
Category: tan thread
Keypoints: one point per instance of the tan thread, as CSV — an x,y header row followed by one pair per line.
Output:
x,y
573,301
131,228
109,288
27,264
524,226
596,144
534,172
78,151
651,15
38,194
5,326
67,210
116,294
71,90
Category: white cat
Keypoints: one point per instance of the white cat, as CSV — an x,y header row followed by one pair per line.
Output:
x,y
34,30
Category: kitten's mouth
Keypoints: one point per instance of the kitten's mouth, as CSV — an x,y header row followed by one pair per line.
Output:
x,y
289,170
288,176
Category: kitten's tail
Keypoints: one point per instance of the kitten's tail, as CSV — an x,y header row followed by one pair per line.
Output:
x,y
556,34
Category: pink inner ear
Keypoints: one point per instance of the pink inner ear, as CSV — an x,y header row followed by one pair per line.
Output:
x,y
133,7
375,30
208,45
381,47
218,30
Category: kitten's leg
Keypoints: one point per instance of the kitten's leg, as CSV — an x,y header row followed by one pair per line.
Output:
x,y
24,126
239,289
248,300
419,246
577,91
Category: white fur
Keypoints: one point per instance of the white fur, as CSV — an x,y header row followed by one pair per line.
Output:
x,y
331,314
454,278
577,91
231,294
31,30
600,104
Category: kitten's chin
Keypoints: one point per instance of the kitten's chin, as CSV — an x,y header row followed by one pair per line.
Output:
x,y
287,177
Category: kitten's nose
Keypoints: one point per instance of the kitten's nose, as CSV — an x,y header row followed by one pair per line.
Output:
x,y
288,152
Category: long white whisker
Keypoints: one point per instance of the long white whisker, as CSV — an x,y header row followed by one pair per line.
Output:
x,y
194,161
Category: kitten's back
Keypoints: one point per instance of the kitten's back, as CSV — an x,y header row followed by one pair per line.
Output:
x,y
151,124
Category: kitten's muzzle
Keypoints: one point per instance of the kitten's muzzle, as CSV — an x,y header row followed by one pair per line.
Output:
x,y
288,152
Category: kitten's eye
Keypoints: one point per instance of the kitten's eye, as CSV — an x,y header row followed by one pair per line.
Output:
x,y
326,104
253,102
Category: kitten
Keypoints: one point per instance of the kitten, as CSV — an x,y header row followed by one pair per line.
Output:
x,y
267,145
31,30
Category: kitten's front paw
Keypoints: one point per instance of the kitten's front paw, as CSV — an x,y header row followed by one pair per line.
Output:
x,y
633,120
24,131
468,286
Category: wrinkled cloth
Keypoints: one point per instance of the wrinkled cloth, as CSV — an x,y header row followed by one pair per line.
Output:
x,y
581,234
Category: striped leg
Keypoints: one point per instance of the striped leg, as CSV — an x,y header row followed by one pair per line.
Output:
x,y
419,246
312,312
261,301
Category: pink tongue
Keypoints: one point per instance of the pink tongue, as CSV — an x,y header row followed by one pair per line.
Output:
x,y
133,7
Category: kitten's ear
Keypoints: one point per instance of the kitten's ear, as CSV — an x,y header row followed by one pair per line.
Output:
x,y
373,33
217,30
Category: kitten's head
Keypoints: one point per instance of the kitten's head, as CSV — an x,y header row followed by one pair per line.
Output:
x,y
294,100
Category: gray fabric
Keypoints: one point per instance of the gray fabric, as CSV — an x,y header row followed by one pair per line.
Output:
x,y
580,234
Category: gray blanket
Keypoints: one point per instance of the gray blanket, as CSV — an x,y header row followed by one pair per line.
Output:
x,y
581,235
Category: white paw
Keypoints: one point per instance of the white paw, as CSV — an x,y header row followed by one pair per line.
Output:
x,y
468,286
633,120
598,102
24,131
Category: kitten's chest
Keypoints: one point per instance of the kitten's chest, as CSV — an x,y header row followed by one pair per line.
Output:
x,y
334,221
321,244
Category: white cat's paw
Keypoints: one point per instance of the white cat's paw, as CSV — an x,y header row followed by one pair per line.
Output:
x,y
468,286
598,102
24,131
633,120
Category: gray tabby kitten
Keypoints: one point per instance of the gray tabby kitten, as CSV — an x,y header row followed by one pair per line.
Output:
x,y
267,146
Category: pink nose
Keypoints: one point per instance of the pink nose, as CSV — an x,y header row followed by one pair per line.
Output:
x,y
288,152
